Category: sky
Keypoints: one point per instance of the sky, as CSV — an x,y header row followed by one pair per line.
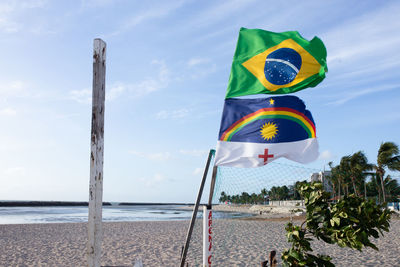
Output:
x,y
168,64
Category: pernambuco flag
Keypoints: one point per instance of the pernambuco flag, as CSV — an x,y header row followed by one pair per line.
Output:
x,y
257,131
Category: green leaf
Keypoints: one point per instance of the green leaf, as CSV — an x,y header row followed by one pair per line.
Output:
x,y
295,254
373,246
296,233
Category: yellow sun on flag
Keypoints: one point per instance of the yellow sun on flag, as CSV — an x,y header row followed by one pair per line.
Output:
x,y
269,130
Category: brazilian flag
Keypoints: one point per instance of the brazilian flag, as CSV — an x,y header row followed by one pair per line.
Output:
x,y
275,63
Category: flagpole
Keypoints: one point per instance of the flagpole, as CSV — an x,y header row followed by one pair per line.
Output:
x,y
196,207
212,185
96,155
207,224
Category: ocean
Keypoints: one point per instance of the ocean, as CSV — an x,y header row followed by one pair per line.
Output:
x,y
22,215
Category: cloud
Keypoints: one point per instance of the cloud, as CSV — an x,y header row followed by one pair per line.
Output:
x,y
356,94
326,155
14,89
155,180
8,26
32,3
220,11
365,38
197,171
66,116
116,90
197,61
173,114
14,171
152,84
83,96
158,156
12,11
375,120
156,12
96,3
8,112
193,152
147,86
199,67
362,55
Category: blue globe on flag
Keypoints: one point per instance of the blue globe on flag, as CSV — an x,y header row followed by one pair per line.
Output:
x,y
282,66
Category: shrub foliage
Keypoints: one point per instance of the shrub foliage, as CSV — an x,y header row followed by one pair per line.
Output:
x,y
350,222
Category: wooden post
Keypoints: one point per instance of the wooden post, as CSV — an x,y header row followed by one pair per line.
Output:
x,y
96,155
195,209
272,259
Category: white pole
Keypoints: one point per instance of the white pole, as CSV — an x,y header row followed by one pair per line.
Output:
x,y
207,236
96,155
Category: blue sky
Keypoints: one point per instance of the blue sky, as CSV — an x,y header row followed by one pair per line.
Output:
x,y
168,64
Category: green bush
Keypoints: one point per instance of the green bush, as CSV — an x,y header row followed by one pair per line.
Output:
x,y
349,223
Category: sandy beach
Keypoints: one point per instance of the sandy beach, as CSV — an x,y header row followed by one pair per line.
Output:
x,y
237,242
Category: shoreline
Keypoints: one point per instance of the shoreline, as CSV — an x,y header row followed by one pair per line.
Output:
x,y
259,211
39,203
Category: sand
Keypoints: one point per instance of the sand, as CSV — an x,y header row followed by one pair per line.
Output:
x,y
236,243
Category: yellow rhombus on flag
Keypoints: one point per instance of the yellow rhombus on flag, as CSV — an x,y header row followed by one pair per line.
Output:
x,y
275,63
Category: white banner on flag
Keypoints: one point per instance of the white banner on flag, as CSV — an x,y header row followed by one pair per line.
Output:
x,y
249,155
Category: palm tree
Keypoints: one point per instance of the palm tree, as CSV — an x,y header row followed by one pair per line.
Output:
x,y
392,188
358,165
264,193
373,187
388,157
338,177
223,197
344,170
333,177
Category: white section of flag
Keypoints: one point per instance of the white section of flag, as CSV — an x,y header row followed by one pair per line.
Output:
x,y
249,155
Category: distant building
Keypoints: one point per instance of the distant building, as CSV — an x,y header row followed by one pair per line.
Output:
x,y
324,178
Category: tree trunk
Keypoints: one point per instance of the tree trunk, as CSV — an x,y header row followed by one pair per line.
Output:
x,y
365,190
354,186
334,193
383,187
379,193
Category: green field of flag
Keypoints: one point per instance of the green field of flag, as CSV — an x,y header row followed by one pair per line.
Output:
x,y
275,63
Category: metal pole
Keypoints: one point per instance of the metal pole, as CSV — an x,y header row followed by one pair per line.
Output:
x,y
212,185
196,207
96,155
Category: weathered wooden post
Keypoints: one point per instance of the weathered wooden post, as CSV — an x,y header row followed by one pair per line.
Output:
x,y
96,155
272,259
